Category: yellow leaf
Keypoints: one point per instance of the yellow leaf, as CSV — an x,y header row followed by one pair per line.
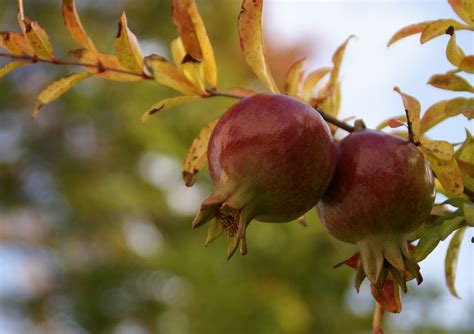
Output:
x,y
467,173
408,31
464,9
337,60
453,52
312,80
439,27
467,64
251,41
178,52
58,88
412,107
451,261
166,104
194,71
166,74
74,25
466,151
450,81
127,48
384,124
12,66
461,105
15,43
447,172
197,154
444,109
38,39
442,150
294,77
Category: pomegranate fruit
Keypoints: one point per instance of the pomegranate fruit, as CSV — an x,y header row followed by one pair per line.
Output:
x,y
382,189
271,158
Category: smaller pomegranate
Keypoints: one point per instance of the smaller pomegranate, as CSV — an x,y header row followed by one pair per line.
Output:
x,y
271,158
382,189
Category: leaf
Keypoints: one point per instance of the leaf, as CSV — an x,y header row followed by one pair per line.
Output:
x,y
312,80
166,104
466,151
461,105
384,124
196,155
294,77
239,91
412,107
467,174
395,123
166,74
467,64
453,52
15,43
447,172
441,110
337,61
127,48
442,150
251,41
178,52
468,209
450,81
464,9
388,296
450,226
408,31
74,25
194,71
439,27
451,261
38,39
12,66
194,36
58,88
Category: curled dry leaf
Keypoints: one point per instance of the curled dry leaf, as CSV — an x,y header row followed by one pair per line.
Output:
x,y
251,41
74,25
58,88
464,9
166,104
293,78
38,39
408,31
197,154
453,52
15,43
451,261
384,124
312,80
412,107
450,81
467,64
12,66
166,74
127,48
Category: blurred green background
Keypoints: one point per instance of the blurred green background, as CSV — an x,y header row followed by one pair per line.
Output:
x,y
95,220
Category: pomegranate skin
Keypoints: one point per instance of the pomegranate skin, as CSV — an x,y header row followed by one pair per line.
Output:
x,y
271,158
382,189
279,150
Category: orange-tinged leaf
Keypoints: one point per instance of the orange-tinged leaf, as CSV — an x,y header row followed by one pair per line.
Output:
x,y
12,66
442,150
451,261
447,172
395,123
467,64
166,74
38,39
74,25
384,124
251,41
388,296
193,70
312,80
433,116
337,60
461,105
464,9
186,29
453,52
467,173
58,88
197,154
412,107
450,81
439,27
15,43
239,91
127,48
294,77
166,104
408,31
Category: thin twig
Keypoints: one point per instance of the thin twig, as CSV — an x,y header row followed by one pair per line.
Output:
x,y
377,319
328,118
411,135
100,67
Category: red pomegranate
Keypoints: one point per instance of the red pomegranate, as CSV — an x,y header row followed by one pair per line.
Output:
x,y
271,158
382,189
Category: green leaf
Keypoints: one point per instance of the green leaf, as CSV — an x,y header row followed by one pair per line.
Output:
x,y
451,261
166,104
449,226
468,209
